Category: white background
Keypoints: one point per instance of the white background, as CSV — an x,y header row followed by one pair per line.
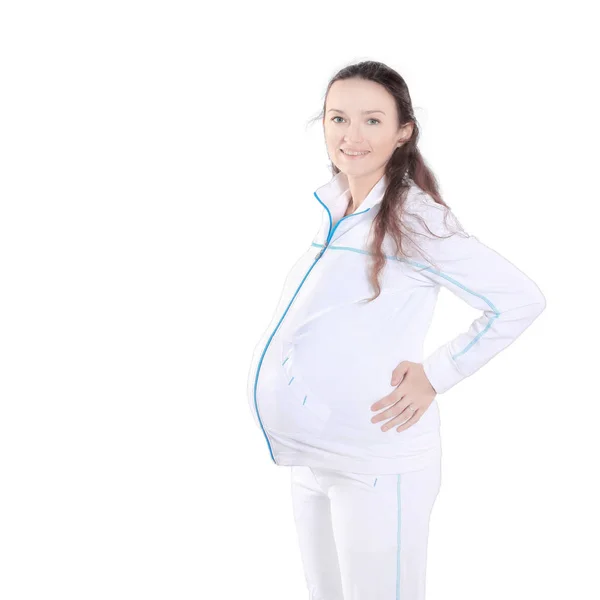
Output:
x,y
157,178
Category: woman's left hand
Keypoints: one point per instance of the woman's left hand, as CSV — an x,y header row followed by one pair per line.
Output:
x,y
415,392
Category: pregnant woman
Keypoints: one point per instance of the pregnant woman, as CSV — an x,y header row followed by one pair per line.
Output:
x,y
338,384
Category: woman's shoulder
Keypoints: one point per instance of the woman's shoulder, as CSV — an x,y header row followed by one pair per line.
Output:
x,y
419,199
420,208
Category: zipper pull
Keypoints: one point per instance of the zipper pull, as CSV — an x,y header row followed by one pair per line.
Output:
x,y
321,253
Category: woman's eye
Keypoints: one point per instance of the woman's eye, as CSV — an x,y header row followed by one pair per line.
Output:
x,y
333,119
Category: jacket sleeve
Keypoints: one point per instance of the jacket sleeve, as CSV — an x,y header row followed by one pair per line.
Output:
x,y
509,301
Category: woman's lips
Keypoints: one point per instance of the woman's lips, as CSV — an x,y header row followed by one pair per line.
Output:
x,y
354,157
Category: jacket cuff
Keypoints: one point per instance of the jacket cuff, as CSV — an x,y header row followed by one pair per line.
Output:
x,y
441,370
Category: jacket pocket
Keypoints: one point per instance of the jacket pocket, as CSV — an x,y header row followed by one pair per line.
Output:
x,y
300,393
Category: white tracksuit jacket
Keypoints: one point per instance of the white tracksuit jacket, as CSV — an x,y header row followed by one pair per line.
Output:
x,y
326,357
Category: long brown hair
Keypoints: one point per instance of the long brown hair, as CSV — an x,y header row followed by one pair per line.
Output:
x,y
405,163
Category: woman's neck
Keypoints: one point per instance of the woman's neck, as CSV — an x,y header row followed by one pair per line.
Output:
x,y
349,209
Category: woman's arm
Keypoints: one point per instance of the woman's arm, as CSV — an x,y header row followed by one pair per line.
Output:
x,y
509,300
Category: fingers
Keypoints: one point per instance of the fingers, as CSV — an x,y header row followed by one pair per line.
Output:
x,y
390,400
392,411
403,420
399,415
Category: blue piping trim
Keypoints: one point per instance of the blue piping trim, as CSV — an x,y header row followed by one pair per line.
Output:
x,y
263,356
454,281
329,236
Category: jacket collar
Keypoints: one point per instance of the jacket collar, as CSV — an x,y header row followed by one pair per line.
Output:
x,y
335,195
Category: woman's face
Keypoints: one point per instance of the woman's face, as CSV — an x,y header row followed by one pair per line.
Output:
x,y
361,115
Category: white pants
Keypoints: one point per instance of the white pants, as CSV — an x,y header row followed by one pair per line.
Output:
x,y
364,537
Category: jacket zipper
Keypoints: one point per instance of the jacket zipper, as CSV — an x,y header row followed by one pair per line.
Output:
x,y
317,258
321,252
